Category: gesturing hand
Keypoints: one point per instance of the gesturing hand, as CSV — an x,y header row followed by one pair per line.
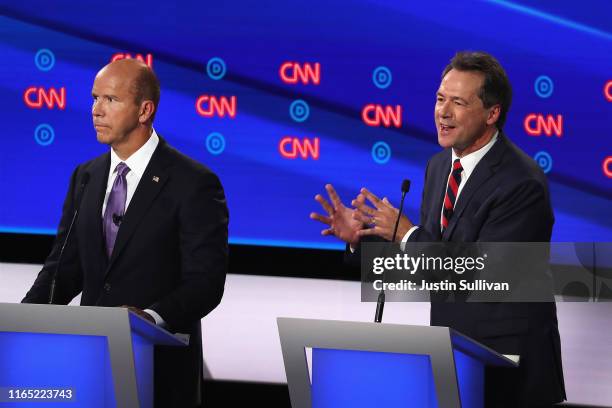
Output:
x,y
381,218
342,224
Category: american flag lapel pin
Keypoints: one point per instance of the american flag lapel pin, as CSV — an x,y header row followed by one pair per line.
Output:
x,y
156,179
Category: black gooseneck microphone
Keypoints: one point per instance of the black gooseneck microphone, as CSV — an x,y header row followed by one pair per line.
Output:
x,y
84,181
380,303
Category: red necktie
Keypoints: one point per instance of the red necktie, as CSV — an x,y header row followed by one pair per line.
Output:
x,y
454,180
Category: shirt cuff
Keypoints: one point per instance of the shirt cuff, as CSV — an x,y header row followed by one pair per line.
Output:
x,y
158,319
407,237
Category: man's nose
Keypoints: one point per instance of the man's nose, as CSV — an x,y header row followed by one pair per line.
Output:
x,y
96,110
444,110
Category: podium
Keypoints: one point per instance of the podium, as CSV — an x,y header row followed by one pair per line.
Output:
x,y
101,357
359,364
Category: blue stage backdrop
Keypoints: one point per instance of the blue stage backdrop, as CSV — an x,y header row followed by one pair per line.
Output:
x,y
279,98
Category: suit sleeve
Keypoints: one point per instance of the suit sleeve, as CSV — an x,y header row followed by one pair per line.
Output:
x,y
69,281
203,233
421,234
517,213
522,214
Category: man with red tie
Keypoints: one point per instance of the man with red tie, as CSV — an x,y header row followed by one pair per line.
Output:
x,y
481,187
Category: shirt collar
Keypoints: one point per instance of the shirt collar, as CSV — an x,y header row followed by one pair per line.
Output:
x,y
469,161
139,160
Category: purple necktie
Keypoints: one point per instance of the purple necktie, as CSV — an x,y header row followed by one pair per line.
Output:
x,y
115,208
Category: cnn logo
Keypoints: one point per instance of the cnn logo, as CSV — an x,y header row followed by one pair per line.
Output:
x,y
306,73
379,115
35,97
147,59
210,106
536,124
292,147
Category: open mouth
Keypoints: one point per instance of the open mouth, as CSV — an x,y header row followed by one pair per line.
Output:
x,y
446,128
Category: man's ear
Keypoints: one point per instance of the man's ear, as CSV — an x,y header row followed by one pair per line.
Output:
x,y
493,115
147,108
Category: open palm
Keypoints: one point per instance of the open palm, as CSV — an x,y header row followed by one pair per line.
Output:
x,y
340,219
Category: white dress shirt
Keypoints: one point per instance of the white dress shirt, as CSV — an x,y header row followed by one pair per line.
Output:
x,y
137,163
469,163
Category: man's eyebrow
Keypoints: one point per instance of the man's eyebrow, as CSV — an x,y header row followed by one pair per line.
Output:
x,y
105,95
454,98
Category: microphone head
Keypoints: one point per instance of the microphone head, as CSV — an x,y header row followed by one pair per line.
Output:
x,y
405,185
117,219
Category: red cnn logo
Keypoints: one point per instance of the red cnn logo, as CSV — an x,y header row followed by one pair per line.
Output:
x,y
34,97
608,91
210,106
607,166
124,55
291,72
535,124
374,115
291,147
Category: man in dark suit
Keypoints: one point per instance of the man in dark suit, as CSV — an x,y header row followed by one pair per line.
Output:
x,y
151,232
480,188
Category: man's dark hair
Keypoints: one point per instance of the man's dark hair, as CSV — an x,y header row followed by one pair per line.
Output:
x,y
496,88
146,87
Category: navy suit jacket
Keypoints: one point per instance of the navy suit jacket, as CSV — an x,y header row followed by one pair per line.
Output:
x,y
506,199
170,256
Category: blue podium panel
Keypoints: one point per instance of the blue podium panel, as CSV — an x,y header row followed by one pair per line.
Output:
x,y
348,378
75,362
470,376
143,363
362,364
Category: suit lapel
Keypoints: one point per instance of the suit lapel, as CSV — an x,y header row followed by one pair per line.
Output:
x,y
151,183
439,190
91,207
483,171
